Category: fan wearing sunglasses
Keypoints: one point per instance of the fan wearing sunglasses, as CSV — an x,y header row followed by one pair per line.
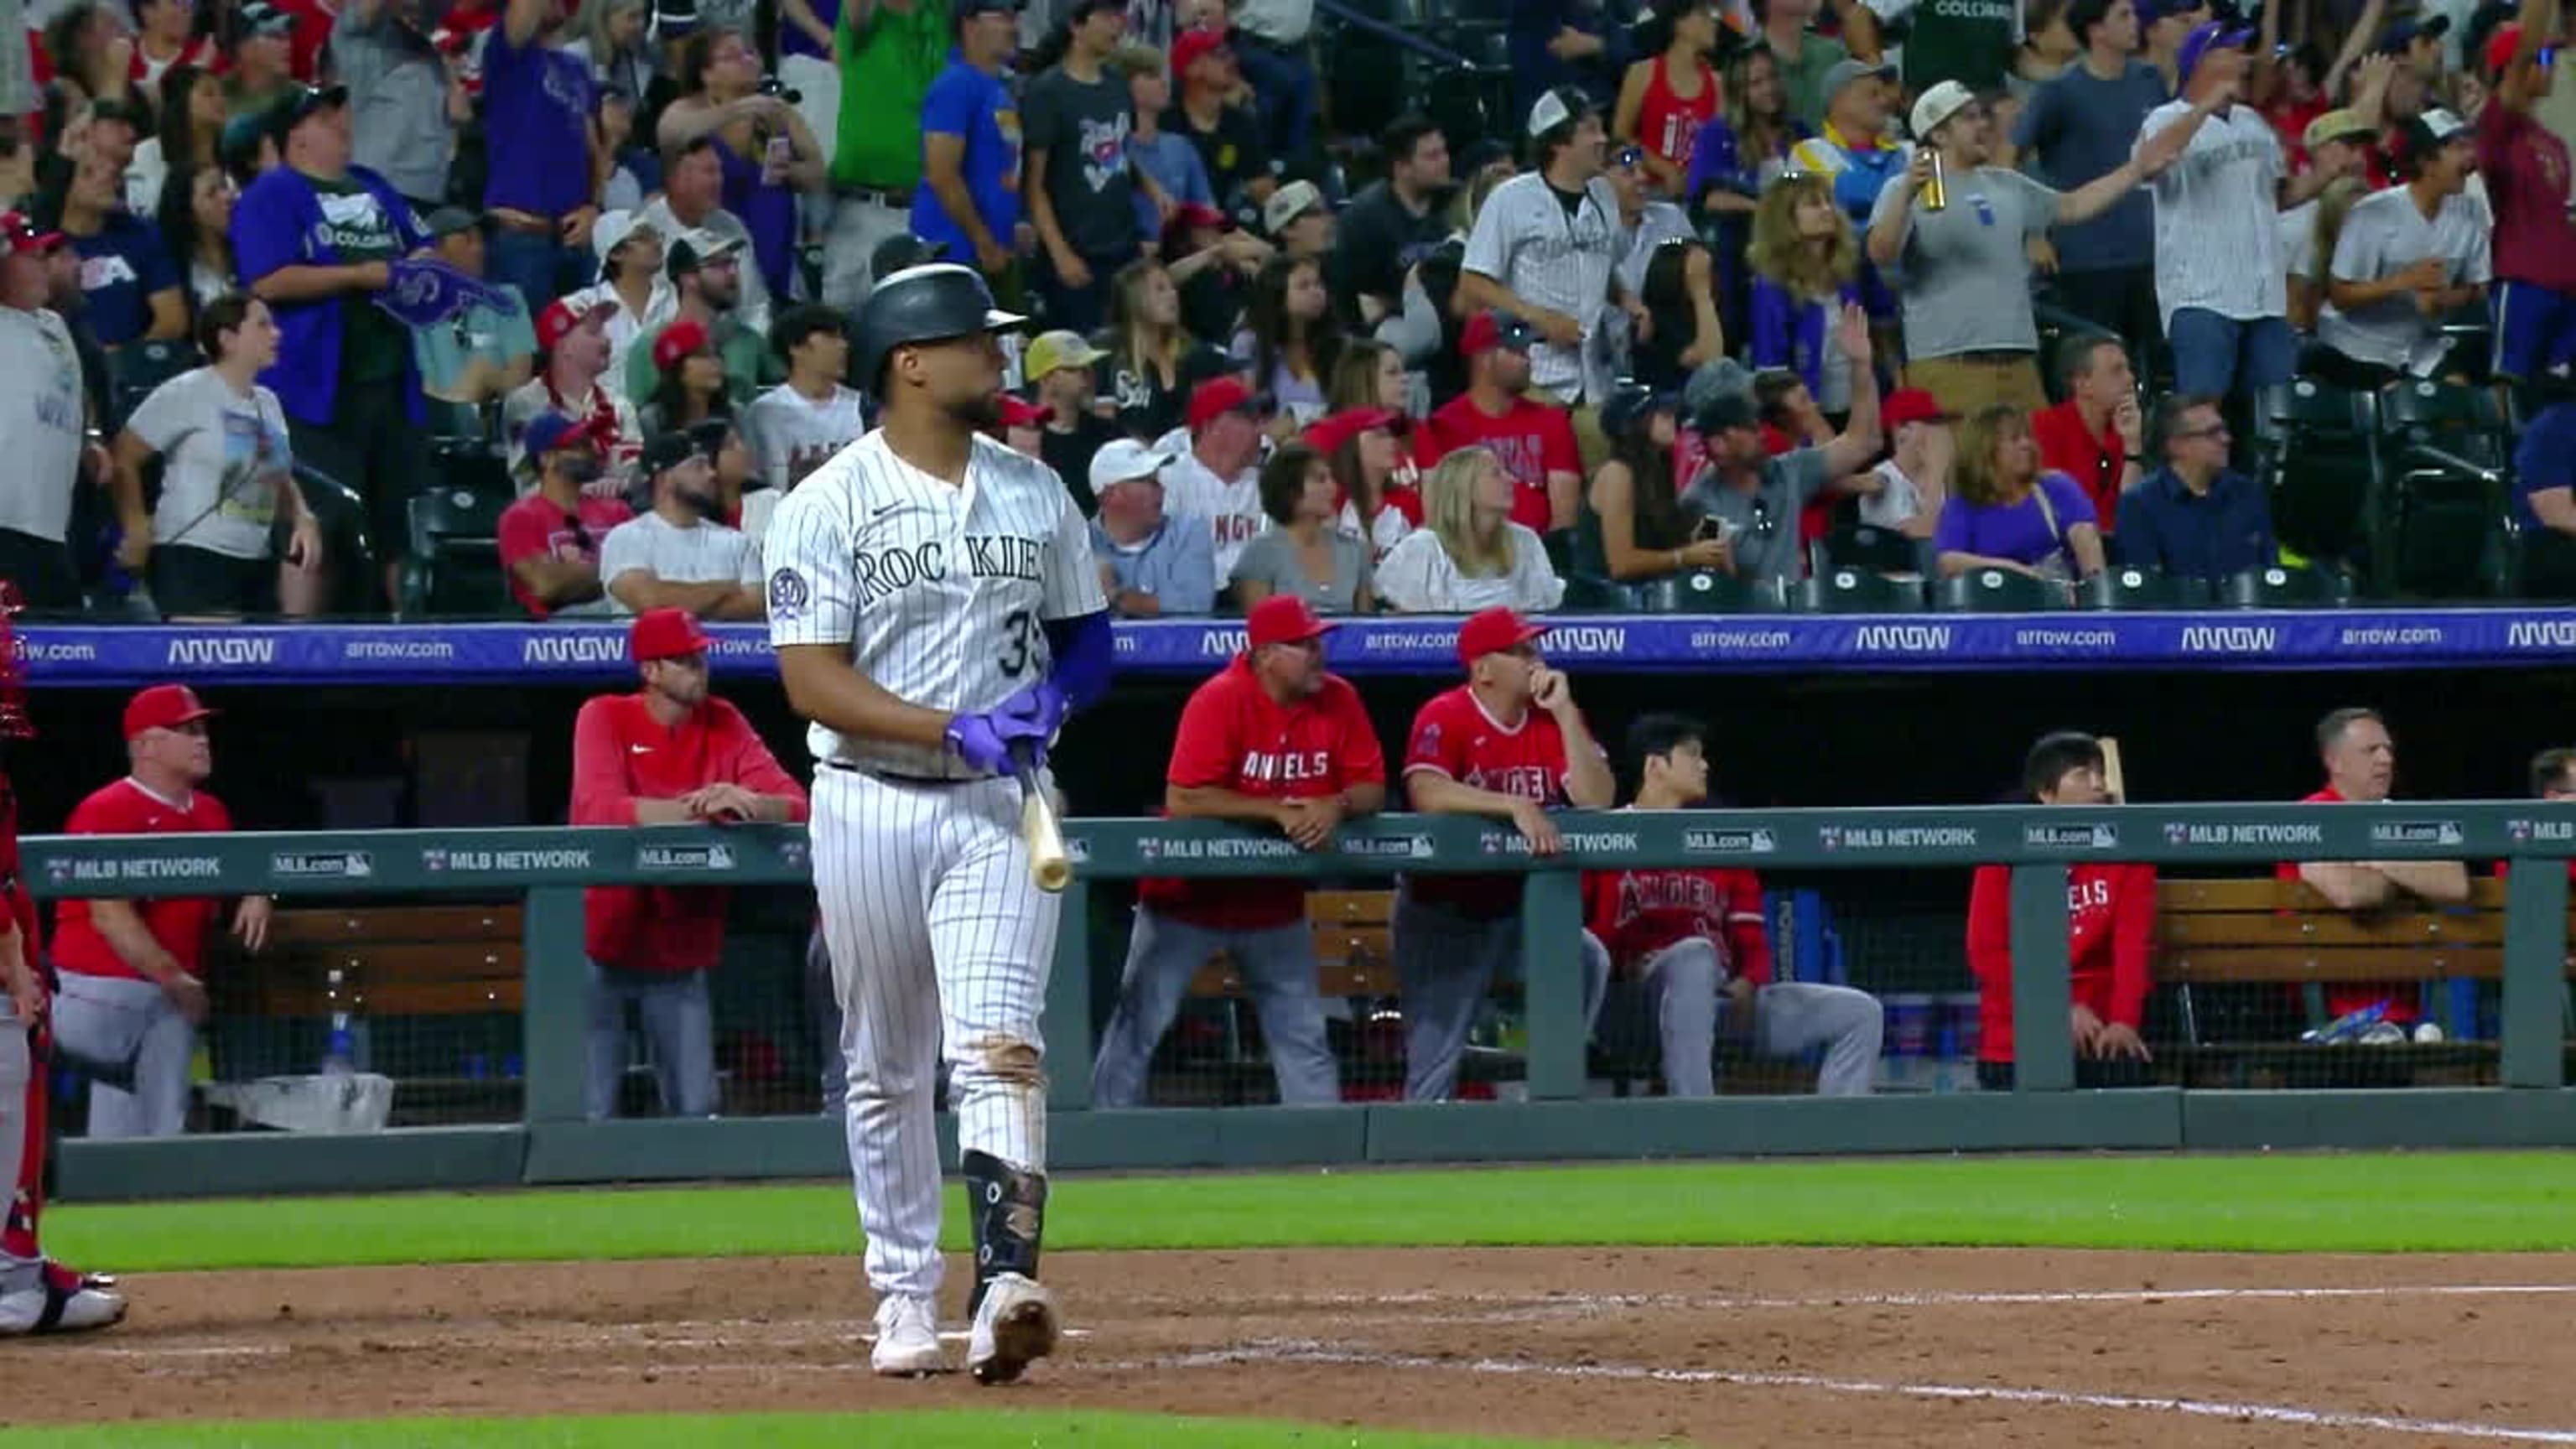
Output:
x,y
550,538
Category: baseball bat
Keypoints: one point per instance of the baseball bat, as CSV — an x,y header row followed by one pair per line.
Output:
x,y
1049,865
2111,771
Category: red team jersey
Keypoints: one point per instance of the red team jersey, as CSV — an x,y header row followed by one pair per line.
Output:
x,y
621,754
2110,940
1453,736
180,924
1532,440
1636,913
2349,996
1234,736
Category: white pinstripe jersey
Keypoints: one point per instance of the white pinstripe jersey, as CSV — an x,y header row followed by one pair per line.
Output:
x,y
938,591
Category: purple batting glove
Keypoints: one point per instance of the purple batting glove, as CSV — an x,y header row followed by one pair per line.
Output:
x,y
986,740
1041,706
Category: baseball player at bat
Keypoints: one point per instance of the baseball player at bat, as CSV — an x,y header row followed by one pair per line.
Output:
x,y
934,602
1508,744
37,1295
1275,739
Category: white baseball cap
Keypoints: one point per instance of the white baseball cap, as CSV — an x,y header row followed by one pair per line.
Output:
x,y
613,228
1124,460
1939,104
1549,112
1288,203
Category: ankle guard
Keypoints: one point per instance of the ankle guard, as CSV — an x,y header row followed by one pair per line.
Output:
x,y
1007,1209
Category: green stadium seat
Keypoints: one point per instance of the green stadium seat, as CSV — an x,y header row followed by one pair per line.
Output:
x,y
2465,421
2447,447
135,369
2285,588
1702,591
1997,591
1864,546
1585,594
2320,457
454,570
1859,591
2125,586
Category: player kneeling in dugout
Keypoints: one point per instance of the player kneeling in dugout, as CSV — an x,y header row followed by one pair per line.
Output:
x,y
1275,739
667,754
1692,950
1509,744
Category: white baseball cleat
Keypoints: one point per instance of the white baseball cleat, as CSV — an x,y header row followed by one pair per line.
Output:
x,y
907,1339
1015,1326
45,1309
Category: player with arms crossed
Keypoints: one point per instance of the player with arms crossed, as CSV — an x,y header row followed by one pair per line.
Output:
x,y
1509,744
937,611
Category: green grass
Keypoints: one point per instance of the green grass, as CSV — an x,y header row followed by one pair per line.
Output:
x,y
960,1430
2464,1202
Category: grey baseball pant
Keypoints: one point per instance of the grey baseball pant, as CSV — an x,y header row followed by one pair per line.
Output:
x,y
1683,983
1446,961
1278,964
679,1022
135,1047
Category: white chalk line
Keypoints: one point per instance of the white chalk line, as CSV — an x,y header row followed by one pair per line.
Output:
x,y
1605,1302
1311,1352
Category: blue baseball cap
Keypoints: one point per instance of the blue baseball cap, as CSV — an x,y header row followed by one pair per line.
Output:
x,y
2151,11
553,432
2203,39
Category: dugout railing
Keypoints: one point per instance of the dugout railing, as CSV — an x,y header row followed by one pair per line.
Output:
x,y
552,1143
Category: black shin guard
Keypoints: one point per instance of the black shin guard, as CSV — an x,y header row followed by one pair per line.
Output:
x,y
1007,1209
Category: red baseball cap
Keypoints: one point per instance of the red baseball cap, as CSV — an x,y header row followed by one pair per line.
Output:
x,y
560,319
1019,412
678,340
1492,632
1192,214
1488,330
23,238
665,634
1195,45
1283,619
2501,44
1910,405
1327,434
163,707
1218,396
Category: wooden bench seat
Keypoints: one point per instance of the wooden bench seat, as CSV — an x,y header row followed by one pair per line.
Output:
x,y
1353,956
443,960
2283,931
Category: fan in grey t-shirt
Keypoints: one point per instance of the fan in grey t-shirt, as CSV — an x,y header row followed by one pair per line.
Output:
x,y
1270,564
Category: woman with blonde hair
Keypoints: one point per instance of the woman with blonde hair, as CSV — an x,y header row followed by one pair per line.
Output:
x,y
2004,512
1806,264
1144,384
1468,554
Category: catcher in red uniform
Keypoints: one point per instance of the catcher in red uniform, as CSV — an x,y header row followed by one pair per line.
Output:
x,y
37,1295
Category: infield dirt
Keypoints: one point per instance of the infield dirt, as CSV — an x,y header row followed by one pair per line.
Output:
x,y
1840,1347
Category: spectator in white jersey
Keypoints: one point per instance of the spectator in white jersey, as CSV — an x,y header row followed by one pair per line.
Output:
x,y
2407,260
42,430
2220,280
680,555
1151,563
1219,479
798,425
1545,248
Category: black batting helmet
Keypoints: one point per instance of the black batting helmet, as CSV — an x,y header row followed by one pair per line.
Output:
x,y
923,304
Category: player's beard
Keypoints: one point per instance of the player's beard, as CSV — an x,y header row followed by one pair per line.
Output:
x,y
981,413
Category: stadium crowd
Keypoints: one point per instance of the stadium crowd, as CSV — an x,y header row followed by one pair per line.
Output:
x,y
1938,289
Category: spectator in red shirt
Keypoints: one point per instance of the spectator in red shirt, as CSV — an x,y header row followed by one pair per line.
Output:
x,y
2361,766
2094,436
1509,744
131,998
1534,441
1276,740
1697,940
2526,171
2110,928
550,538
668,754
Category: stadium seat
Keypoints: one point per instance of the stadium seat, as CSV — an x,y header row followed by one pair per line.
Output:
x,y
1585,594
1997,591
2285,588
1863,546
2446,447
1858,591
474,464
2465,421
139,367
454,569
1702,591
2124,586
350,554
2319,451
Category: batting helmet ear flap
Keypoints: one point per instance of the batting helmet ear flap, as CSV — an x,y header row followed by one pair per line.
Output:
x,y
928,303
